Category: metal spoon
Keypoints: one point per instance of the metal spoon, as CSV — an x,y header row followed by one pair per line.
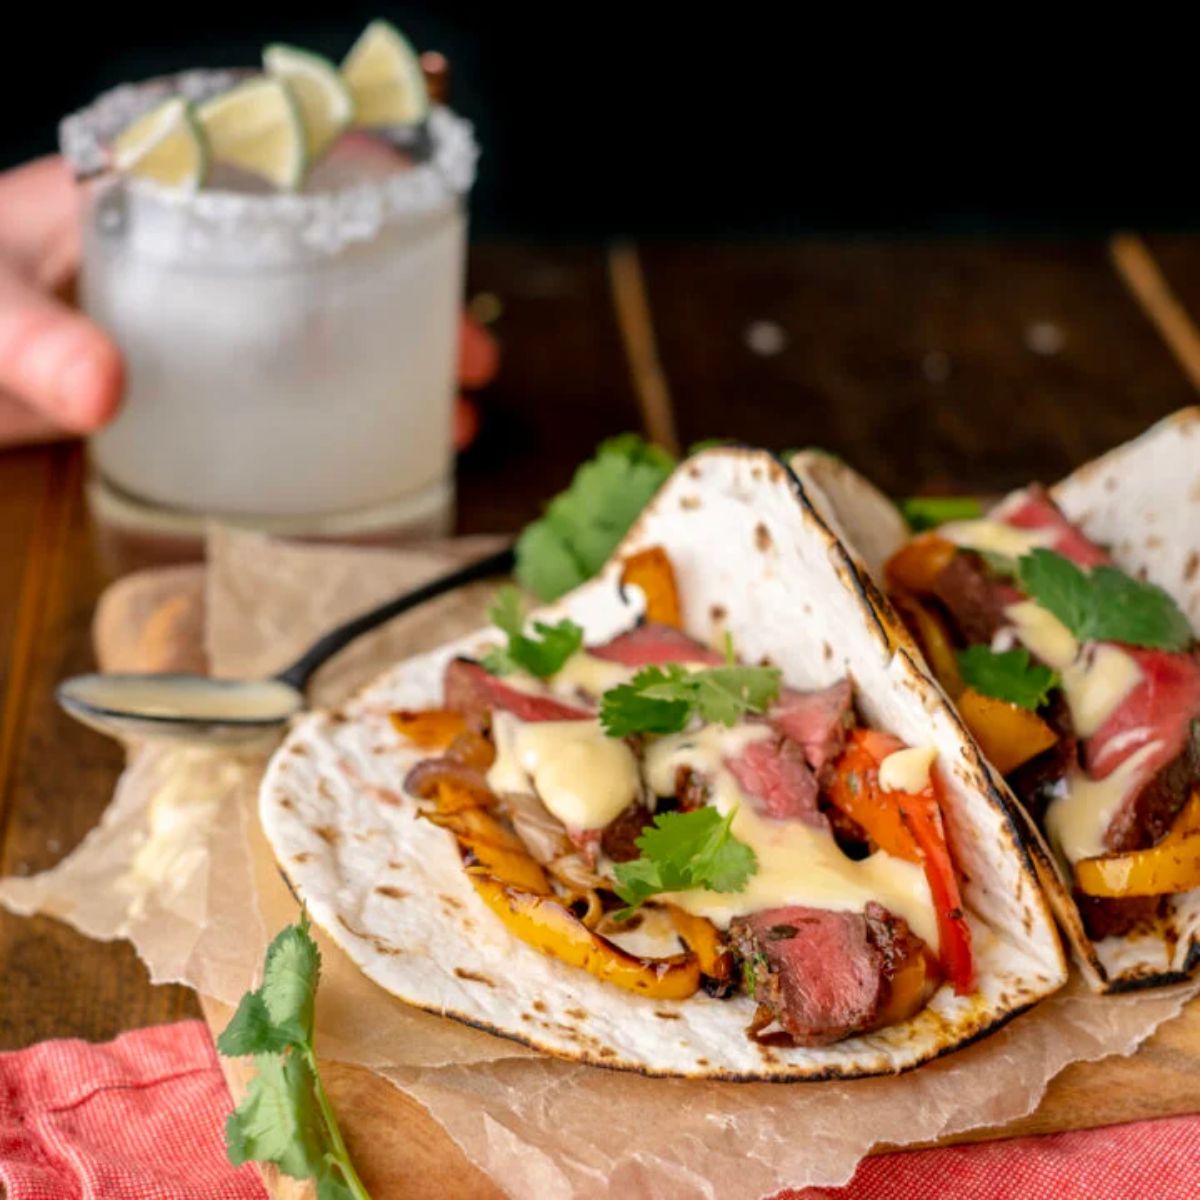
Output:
x,y
196,708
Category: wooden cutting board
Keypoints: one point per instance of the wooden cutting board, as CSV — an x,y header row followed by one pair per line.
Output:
x,y
154,621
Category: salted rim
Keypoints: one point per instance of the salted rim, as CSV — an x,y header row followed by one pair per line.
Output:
x,y
447,173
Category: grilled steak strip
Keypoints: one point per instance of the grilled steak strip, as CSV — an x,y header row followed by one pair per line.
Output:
x,y
823,975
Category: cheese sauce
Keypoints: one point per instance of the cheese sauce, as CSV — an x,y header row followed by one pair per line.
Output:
x,y
995,537
907,770
1095,678
797,864
593,676
581,775
1076,821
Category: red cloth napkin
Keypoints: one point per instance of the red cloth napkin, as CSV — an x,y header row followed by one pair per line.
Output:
x,y
143,1117
140,1118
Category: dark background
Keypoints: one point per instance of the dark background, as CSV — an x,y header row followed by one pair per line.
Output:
x,y
742,120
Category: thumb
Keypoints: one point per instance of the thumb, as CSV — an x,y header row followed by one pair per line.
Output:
x,y
54,359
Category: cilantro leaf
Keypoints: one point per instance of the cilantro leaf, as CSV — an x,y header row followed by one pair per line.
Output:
x,y
1058,585
542,655
582,525
277,1121
290,982
1009,675
285,1117
928,512
251,1030
628,708
664,699
686,850
1137,612
1104,604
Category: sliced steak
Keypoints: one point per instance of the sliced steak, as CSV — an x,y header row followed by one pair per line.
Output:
x,y
1148,814
1159,709
619,838
778,782
474,692
973,597
651,644
817,721
1032,508
823,975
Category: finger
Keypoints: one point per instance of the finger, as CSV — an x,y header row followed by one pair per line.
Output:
x,y
478,354
54,359
21,425
39,220
466,422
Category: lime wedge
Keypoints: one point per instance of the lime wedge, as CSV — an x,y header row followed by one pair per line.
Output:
x,y
385,78
325,103
257,126
166,145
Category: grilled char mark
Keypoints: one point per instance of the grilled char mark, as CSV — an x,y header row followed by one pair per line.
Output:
x,y
821,975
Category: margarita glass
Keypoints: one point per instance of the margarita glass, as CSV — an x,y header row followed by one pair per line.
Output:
x,y
290,355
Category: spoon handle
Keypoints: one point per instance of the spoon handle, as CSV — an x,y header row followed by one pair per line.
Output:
x,y
302,670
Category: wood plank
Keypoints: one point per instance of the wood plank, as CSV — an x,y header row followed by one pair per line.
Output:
x,y
563,383
945,365
58,983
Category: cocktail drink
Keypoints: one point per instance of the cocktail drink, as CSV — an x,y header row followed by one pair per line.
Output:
x,y
285,289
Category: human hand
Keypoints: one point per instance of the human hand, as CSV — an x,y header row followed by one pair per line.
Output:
x,y
60,374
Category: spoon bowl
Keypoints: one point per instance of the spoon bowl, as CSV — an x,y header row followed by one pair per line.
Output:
x,y
180,707
195,708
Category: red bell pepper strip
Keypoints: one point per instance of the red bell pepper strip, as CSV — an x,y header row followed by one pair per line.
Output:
x,y
909,826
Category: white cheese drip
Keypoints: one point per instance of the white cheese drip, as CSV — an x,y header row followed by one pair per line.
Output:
x,y
1077,819
907,770
797,864
581,775
995,537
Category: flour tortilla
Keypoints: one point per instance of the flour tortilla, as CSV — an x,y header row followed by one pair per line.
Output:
x,y
752,558
1142,501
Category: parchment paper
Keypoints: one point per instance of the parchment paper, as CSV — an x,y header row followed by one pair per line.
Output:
x,y
177,866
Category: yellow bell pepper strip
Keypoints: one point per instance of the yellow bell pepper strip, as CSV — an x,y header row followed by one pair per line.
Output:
x,y
933,637
651,571
909,826
704,940
429,728
917,564
546,925
1008,734
514,886
1173,865
911,986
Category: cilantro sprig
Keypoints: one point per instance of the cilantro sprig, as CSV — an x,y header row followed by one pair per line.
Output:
x,y
285,1117
664,699
542,655
582,525
1007,675
1104,604
684,850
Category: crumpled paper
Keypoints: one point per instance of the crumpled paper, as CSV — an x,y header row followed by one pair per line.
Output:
x,y
180,867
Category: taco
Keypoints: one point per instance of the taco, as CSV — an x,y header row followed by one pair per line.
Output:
x,y
703,817
1063,624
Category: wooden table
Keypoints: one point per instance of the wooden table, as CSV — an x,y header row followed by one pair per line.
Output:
x,y
943,365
